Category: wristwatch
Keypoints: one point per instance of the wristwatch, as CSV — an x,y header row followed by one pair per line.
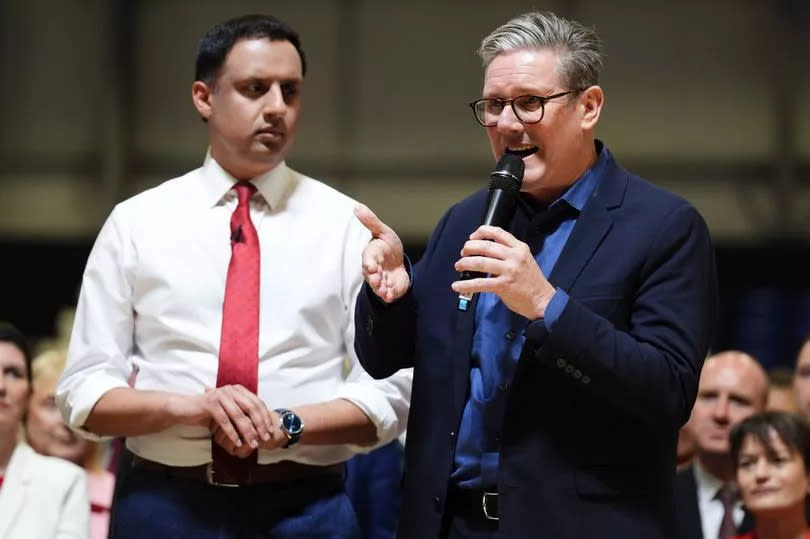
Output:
x,y
291,425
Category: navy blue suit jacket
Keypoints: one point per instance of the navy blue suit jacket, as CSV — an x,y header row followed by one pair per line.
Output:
x,y
588,437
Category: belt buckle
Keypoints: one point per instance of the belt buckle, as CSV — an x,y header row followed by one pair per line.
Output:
x,y
485,505
209,477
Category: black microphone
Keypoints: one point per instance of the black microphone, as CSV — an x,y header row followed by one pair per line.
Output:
x,y
502,201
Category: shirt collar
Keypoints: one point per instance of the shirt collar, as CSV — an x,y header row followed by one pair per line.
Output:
x,y
274,185
707,484
580,191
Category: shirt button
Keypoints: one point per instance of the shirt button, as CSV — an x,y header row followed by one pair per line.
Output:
x,y
437,503
503,387
452,434
510,334
498,437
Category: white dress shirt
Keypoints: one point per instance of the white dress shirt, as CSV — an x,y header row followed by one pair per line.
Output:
x,y
152,294
711,508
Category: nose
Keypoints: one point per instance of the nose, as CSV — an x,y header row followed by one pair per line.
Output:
x,y
274,104
508,122
762,470
720,411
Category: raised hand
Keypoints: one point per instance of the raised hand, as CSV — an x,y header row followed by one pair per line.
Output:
x,y
383,258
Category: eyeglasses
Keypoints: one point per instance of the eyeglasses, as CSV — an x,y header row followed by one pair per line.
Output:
x,y
528,109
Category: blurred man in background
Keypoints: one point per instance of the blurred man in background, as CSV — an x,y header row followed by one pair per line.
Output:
x,y
781,394
801,378
732,387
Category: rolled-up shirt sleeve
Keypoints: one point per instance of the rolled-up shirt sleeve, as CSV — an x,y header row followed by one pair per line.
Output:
x,y
386,402
102,331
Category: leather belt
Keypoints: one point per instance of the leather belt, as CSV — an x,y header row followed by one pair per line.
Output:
x,y
475,504
285,470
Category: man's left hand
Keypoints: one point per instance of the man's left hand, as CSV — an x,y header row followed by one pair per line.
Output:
x,y
513,272
277,438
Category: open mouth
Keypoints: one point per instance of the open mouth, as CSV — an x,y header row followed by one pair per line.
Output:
x,y
522,151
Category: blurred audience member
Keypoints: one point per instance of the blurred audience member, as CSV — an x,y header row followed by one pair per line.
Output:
x,y
772,452
781,396
732,387
801,378
40,497
49,435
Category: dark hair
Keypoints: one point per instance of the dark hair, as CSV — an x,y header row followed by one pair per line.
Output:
x,y
792,429
780,377
217,42
10,334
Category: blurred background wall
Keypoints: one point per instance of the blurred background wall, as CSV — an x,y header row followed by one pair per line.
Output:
x,y
706,98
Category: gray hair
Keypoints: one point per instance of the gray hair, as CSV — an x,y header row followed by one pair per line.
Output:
x,y
579,48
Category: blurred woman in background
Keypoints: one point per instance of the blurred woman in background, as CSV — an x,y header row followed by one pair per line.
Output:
x,y
49,435
772,451
40,497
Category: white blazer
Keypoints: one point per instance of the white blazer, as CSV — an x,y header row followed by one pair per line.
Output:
x,y
43,497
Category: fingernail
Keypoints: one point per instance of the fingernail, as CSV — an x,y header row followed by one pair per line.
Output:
x,y
238,443
266,436
254,444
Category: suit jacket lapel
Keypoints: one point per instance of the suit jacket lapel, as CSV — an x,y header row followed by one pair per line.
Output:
x,y
15,487
591,227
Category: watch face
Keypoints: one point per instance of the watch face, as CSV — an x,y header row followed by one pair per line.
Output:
x,y
291,423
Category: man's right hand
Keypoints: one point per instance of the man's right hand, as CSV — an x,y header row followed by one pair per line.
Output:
x,y
233,410
383,258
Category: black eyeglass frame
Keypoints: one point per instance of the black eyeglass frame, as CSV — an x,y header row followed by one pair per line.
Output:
x,y
543,100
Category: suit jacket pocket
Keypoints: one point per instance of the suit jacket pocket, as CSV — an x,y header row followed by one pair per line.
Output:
x,y
612,480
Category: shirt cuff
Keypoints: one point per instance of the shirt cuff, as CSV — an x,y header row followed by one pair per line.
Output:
x,y
79,401
555,308
375,405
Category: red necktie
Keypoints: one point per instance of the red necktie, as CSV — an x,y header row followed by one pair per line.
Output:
x,y
728,495
239,343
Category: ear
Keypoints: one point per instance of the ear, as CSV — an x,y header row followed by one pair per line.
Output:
x,y
592,100
201,96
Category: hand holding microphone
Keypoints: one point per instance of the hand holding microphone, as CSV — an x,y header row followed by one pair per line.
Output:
x,y
504,190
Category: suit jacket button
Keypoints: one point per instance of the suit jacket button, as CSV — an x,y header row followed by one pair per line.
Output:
x,y
369,325
561,362
437,503
452,434
577,374
569,369
510,334
585,380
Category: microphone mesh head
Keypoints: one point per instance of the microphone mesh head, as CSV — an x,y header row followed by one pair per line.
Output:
x,y
508,173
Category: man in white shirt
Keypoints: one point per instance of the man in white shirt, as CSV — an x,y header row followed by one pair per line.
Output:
x,y
153,295
732,387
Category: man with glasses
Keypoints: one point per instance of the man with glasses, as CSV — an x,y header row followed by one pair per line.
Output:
x,y
551,407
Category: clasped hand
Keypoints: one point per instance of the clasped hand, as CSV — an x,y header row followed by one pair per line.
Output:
x,y
238,419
